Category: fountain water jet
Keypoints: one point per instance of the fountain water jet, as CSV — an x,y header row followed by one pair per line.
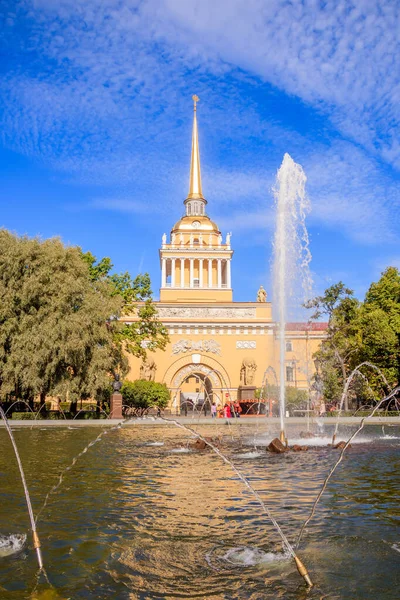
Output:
x,y
291,254
36,541
299,564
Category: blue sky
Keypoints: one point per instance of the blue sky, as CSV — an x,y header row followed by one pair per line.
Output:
x,y
96,117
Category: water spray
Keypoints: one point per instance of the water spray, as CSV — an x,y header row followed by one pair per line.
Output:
x,y
299,564
35,536
291,256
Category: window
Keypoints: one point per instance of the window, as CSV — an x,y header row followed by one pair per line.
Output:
x,y
289,347
289,374
196,241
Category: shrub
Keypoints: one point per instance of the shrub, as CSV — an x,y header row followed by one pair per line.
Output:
x,y
24,416
143,395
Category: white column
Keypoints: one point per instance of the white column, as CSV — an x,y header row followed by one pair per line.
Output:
x,y
210,281
182,272
191,271
163,272
173,272
219,274
228,270
201,272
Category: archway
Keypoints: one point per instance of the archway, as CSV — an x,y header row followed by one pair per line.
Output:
x,y
195,393
213,380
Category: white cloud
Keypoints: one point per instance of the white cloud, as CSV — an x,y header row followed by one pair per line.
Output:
x,y
110,103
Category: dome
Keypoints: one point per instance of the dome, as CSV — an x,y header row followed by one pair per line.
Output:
x,y
195,223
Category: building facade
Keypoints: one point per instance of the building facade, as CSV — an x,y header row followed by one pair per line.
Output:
x,y
218,348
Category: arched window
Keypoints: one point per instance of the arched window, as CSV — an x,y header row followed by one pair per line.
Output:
x,y
289,374
289,346
189,208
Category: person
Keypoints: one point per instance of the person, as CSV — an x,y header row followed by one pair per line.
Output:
x,y
213,410
227,411
237,408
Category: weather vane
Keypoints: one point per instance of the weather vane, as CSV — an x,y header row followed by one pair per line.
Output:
x,y
195,100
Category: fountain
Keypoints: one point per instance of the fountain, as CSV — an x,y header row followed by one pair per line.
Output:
x,y
153,518
291,255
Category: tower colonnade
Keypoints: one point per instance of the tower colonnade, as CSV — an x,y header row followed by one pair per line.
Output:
x,y
196,272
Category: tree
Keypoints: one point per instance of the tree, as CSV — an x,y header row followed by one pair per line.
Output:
x,y
337,351
54,338
146,333
361,332
60,332
141,395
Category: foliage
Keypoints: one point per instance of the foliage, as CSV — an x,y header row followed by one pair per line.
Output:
x,y
23,416
357,333
60,333
294,398
143,395
148,332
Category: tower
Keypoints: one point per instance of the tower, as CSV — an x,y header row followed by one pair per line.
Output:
x,y
195,263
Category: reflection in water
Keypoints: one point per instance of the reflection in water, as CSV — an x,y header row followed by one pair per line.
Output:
x,y
138,521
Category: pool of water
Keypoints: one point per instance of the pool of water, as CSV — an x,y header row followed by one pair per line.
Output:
x,y
141,516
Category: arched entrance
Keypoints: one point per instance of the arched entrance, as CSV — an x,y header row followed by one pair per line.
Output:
x,y
195,393
196,379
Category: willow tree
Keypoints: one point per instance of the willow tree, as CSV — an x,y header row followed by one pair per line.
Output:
x,y
59,328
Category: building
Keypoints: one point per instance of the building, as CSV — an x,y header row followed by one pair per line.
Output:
x,y
218,348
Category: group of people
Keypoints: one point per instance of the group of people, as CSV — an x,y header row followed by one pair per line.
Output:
x,y
230,410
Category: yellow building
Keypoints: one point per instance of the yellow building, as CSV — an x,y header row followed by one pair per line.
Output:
x,y
218,348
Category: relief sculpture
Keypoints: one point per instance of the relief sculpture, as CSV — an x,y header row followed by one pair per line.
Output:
x,y
196,346
148,369
247,371
205,312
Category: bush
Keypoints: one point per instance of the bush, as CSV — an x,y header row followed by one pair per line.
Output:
x,y
143,395
23,416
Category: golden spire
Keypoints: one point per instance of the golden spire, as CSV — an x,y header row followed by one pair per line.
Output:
x,y
195,190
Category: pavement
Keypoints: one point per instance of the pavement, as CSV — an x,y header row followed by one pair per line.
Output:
x,y
192,421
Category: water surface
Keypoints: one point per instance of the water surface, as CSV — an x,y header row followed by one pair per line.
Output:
x,y
135,519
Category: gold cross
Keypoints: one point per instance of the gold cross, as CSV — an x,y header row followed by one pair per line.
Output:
x,y
195,100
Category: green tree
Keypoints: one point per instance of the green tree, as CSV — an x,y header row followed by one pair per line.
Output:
x,y
142,395
337,352
54,338
360,332
60,327
380,326
148,333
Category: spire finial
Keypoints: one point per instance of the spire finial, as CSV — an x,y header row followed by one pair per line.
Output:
x,y
195,190
195,100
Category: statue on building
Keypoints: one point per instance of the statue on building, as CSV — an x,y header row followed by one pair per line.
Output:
x,y
172,238
247,371
164,238
210,240
201,239
219,239
181,238
261,295
228,239
191,239
148,369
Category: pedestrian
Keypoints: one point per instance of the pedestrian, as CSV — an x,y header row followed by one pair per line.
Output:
x,y
213,410
237,408
227,411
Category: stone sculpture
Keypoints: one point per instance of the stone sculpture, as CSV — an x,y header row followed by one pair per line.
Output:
x,y
247,371
261,295
148,369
